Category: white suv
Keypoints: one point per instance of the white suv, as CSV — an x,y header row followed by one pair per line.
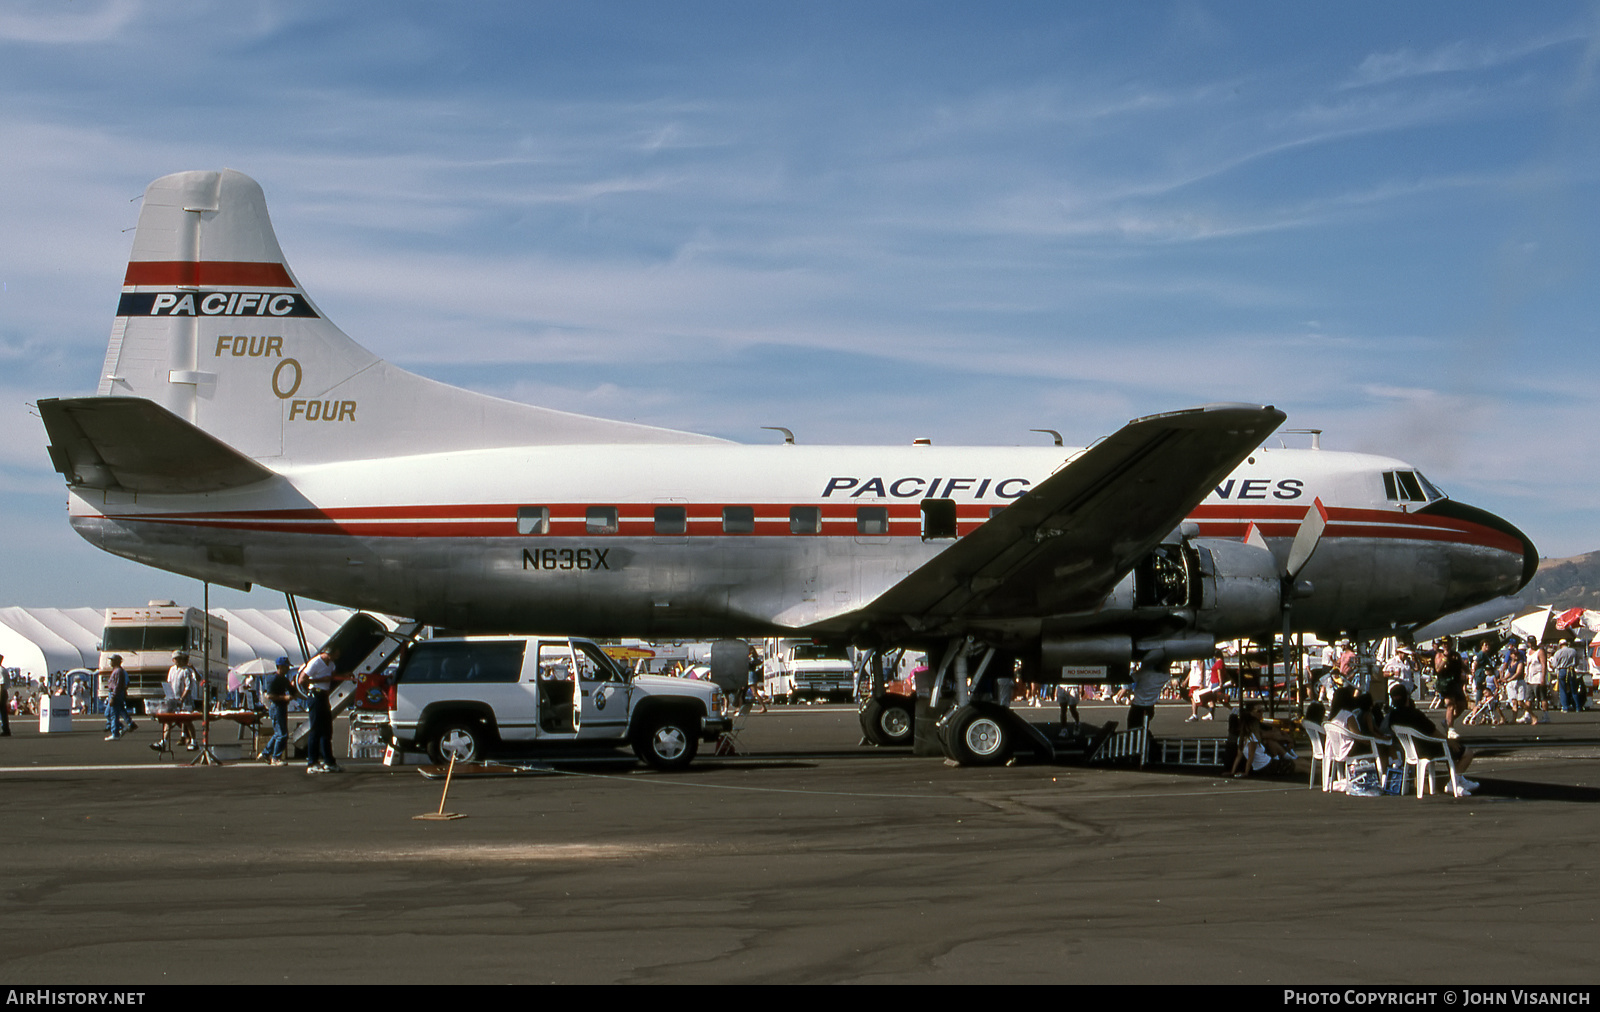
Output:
x,y
465,697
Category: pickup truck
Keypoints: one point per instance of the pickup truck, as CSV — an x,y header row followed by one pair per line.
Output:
x,y
466,697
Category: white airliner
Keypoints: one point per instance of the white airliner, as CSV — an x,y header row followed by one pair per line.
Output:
x,y
238,436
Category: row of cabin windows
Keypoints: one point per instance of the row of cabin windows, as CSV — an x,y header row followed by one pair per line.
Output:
x,y
938,519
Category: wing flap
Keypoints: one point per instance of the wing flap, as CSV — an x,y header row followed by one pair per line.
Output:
x,y
1064,545
135,445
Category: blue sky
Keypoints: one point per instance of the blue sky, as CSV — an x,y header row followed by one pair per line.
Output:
x,y
865,221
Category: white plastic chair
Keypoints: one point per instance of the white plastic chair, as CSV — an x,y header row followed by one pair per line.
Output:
x,y
1319,762
1420,767
1361,747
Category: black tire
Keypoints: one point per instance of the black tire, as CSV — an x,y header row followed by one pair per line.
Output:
x,y
889,720
868,714
977,736
465,739
667,742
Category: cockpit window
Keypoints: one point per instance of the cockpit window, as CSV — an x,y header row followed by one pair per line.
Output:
x,y
1409,487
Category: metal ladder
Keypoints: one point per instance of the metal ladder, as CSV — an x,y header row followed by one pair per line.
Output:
x,y
343,695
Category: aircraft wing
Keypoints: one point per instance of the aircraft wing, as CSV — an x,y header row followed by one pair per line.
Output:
x,y
136,445
1064,545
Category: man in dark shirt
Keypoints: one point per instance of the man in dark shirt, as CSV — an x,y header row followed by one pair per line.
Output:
x,y
118,722
277,696
1449,680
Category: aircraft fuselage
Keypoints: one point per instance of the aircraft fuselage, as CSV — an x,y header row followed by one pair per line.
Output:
x,y
734,540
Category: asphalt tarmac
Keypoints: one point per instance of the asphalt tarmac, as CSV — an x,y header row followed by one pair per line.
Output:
x,y
811,859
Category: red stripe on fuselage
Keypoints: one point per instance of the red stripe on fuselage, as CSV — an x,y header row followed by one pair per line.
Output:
x,y
208,272
569,520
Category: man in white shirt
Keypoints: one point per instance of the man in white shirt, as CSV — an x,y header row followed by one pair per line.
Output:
x,y
182,687
315,681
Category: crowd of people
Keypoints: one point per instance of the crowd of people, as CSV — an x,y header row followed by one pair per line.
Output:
x,y
1518,680
274,692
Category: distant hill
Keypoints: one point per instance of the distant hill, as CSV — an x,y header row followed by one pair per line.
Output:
x,y
1565,583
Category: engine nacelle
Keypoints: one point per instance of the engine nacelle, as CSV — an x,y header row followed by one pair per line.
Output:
x,y
1083,659
1177,603
1240,590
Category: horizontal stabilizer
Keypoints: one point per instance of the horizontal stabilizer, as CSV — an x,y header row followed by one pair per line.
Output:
x,y
136,445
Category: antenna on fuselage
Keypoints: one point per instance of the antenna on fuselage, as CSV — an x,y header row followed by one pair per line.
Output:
x,y
1049,432
1315,434
788,437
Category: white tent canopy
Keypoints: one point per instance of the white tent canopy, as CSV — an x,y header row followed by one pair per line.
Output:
x,y
41,641
1539,623
47,641
269,632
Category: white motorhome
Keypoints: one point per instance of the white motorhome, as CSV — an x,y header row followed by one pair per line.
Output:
x,y
147,637
797,670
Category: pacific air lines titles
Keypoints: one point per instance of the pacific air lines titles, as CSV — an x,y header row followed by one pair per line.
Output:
x,y
925,488
877,487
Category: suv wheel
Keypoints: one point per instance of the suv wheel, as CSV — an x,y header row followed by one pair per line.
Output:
x,y
667,743
460,739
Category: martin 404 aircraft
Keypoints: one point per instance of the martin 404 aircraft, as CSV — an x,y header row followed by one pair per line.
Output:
x,y
238,436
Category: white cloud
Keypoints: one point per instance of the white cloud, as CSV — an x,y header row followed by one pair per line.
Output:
x,y
54,23
1453,57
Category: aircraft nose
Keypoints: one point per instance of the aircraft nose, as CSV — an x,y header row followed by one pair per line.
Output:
x,y
1484,529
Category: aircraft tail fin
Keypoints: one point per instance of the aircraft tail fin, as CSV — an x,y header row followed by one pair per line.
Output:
x,y
213,326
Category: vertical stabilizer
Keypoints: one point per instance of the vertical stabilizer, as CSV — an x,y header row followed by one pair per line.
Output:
x,y
214,326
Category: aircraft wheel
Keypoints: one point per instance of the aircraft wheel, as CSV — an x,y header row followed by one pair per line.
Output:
x,y
975,736
667,743
461,739
889,720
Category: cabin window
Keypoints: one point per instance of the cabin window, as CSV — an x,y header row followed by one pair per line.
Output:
x,y
872,520
938,519
805,520
672,520
600,520
738,519
533,520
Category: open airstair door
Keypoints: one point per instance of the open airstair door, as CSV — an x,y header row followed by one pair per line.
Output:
x,y
366,637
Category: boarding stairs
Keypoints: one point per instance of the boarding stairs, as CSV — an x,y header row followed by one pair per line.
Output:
x,y
361,636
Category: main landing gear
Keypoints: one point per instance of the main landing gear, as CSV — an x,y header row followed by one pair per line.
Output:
x,y
957,711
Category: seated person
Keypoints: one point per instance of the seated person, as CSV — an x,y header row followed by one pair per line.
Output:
x,y
1262,749
1367,722
1342,710
1404,713
1351,713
